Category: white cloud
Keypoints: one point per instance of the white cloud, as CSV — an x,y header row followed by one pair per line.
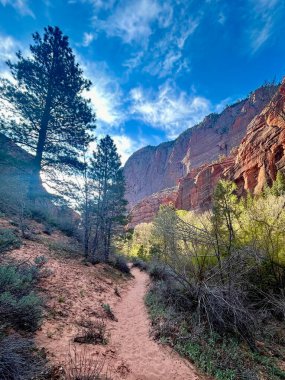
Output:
x,y
21,6
222,18
166,58
87,39
127,146
132,20
262,20
8,48
105,94
134,61
104,103
170,110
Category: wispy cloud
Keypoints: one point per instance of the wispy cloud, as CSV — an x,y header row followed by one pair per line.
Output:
x,y
126,145
132,20
8,48
166,57
87,39
21,6
262,20
169,109
105,95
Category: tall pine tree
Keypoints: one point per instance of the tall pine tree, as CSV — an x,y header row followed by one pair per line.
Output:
x,y
44,109
110,205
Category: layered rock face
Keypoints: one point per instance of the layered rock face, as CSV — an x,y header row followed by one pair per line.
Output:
x,y
145,210
262,151
245,143
152,169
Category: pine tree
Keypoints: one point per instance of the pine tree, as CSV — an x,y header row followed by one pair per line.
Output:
x,y
44,110
110,205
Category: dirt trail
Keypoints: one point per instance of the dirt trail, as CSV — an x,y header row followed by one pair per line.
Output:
x,y
73,291
145,359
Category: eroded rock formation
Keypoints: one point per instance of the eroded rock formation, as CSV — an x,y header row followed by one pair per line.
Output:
x,y
245,143
152,169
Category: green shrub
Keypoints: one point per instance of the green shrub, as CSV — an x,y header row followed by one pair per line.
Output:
x,y
21,312
108,310
222,356
40,261
138,263
158,271
119,262
20,307
92,332
18,280
8,240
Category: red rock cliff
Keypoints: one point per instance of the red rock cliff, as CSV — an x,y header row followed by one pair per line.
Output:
x,y
186,170
152,169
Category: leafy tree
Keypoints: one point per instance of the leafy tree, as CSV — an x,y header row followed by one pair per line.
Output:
x,y
110,205
278,186
225,204
43,107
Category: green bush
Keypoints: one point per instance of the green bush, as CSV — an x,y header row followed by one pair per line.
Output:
x,y
119,262
23,312
138,263
18,280
8,240
20,307
158,271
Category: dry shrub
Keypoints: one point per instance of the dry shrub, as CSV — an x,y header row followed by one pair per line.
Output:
x,y
82,366
18,360
109,312
92,332
225,311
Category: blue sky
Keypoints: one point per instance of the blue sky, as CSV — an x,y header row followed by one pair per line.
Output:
x,y
158,66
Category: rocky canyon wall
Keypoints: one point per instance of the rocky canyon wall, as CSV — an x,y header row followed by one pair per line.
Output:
x,y
155,168
245,143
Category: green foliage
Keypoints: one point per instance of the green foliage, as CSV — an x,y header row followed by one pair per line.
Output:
x,y
20,307
119,262
226,284
109,206
138,263
278,186
92,332
40,261
158,271
48,84
8,240
22,312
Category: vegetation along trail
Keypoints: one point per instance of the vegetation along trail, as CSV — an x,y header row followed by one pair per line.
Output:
x,y
144,358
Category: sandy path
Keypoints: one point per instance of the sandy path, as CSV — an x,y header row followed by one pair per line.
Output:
x,y
144,358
